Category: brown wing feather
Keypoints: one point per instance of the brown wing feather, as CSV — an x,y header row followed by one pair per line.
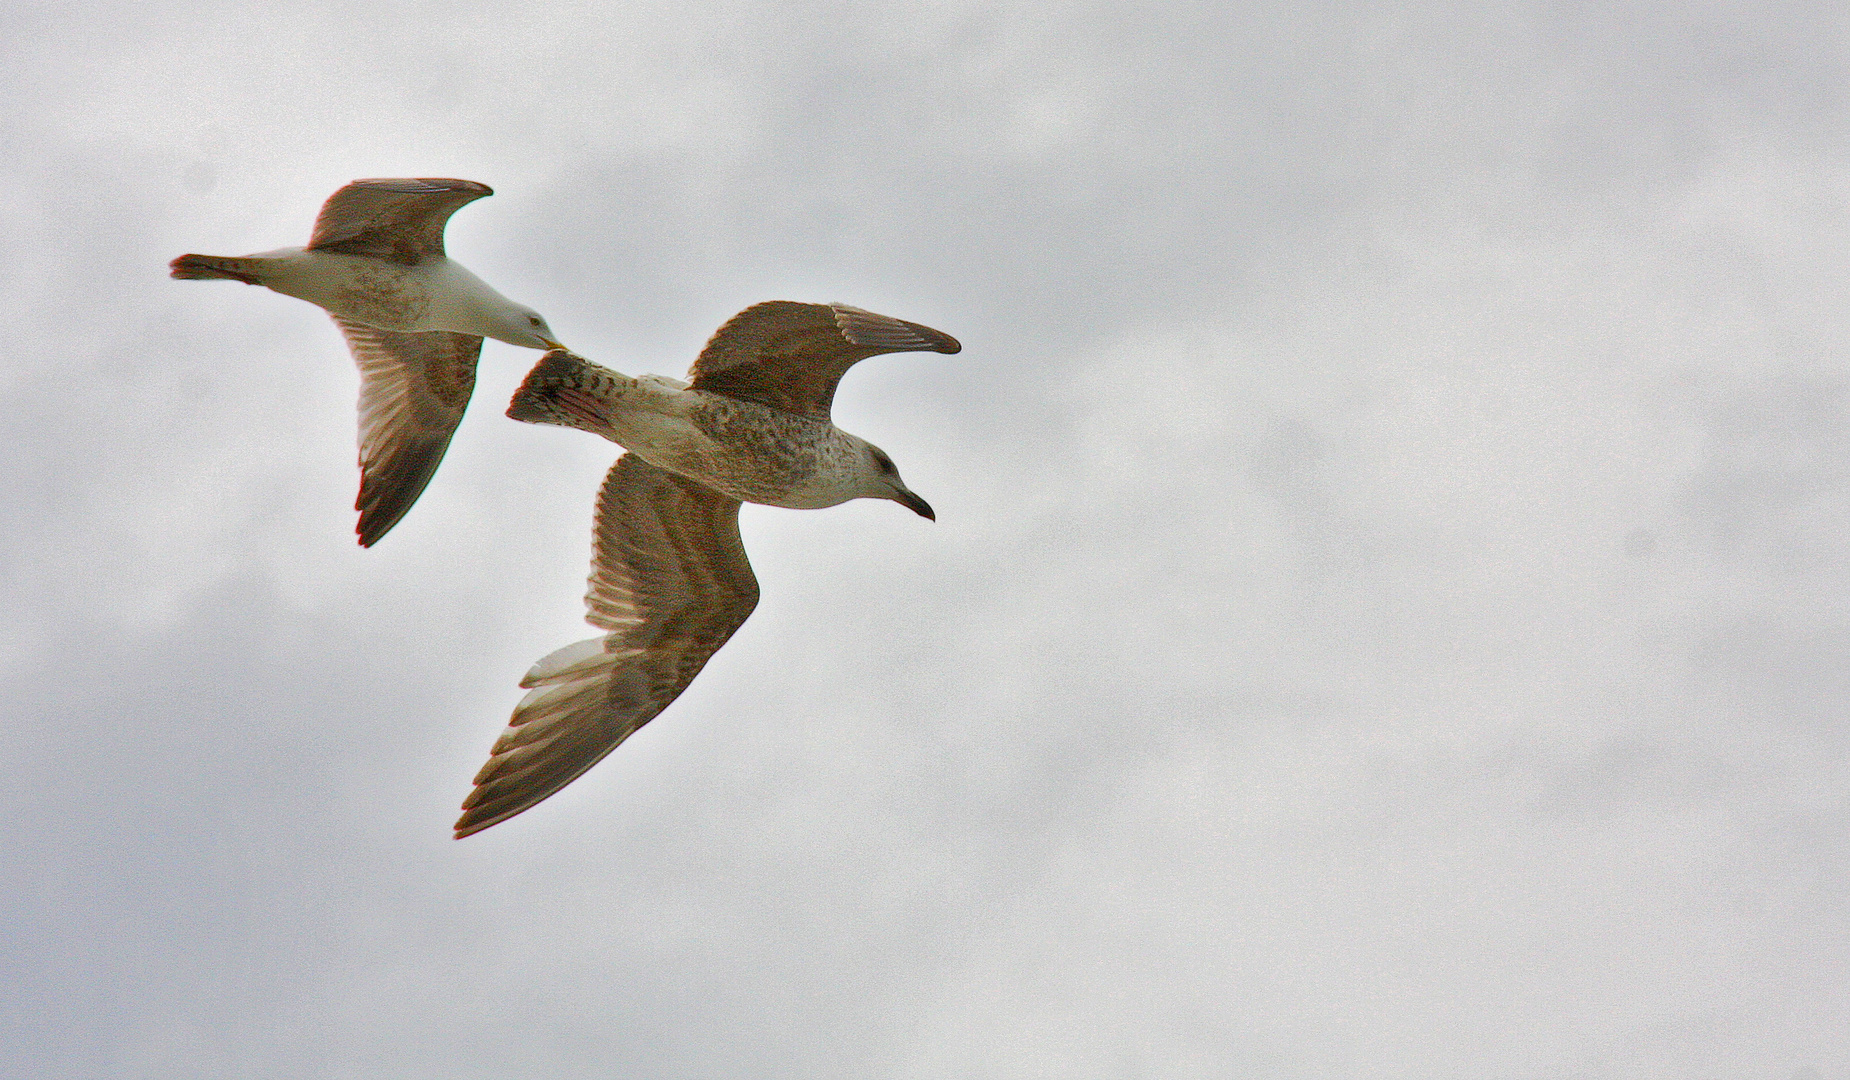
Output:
x,y
413,390
790,356
398,220
670,581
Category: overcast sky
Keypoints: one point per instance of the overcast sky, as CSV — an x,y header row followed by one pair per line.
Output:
x,y
1388,614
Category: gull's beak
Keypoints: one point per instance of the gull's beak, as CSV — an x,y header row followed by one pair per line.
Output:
x,y
551,344
913,503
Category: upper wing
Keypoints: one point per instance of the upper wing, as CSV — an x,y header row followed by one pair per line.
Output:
x,y
670,581
789,356
399,220
413,390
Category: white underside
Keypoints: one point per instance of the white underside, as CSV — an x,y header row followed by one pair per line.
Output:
x,y
436,295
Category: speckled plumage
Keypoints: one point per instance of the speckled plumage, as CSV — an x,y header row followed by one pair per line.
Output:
x,y
670,580
764,455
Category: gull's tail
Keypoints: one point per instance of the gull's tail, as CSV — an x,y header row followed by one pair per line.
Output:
x,y
567,390
211,267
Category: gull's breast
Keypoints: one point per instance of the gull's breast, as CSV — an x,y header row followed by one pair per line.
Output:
x,y
761,455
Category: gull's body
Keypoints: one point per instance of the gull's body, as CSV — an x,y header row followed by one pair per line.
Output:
x,y
670,581
414,320
435,294
742,449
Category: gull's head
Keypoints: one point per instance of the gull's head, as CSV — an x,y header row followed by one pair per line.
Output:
x,y
523,326
883,482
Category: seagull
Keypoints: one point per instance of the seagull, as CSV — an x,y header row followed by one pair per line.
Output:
x,y
670,582
413,319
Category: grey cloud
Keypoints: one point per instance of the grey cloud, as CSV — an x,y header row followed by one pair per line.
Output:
x,y
1287,687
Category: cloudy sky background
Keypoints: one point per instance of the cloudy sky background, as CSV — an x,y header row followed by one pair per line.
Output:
x,y
1388,615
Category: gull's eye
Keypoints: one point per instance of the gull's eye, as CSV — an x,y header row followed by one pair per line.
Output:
x,y
534,319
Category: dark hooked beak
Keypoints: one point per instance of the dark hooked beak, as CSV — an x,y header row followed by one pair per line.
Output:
x,y
914,503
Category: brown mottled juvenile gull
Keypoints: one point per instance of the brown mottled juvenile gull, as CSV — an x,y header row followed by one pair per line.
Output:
x,y
669,578
414,321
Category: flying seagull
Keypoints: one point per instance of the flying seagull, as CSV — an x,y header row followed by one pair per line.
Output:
x,y
414,321
669,578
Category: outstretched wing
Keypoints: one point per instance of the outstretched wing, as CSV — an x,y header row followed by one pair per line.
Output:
x,y
670,581
413,390
789,356
398,220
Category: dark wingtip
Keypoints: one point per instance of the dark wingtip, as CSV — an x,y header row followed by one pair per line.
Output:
x,y
375,520
373,526
389,490
476,817
884,333
941,341
915,504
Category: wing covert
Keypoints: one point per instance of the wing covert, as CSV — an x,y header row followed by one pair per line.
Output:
x,y
399,220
